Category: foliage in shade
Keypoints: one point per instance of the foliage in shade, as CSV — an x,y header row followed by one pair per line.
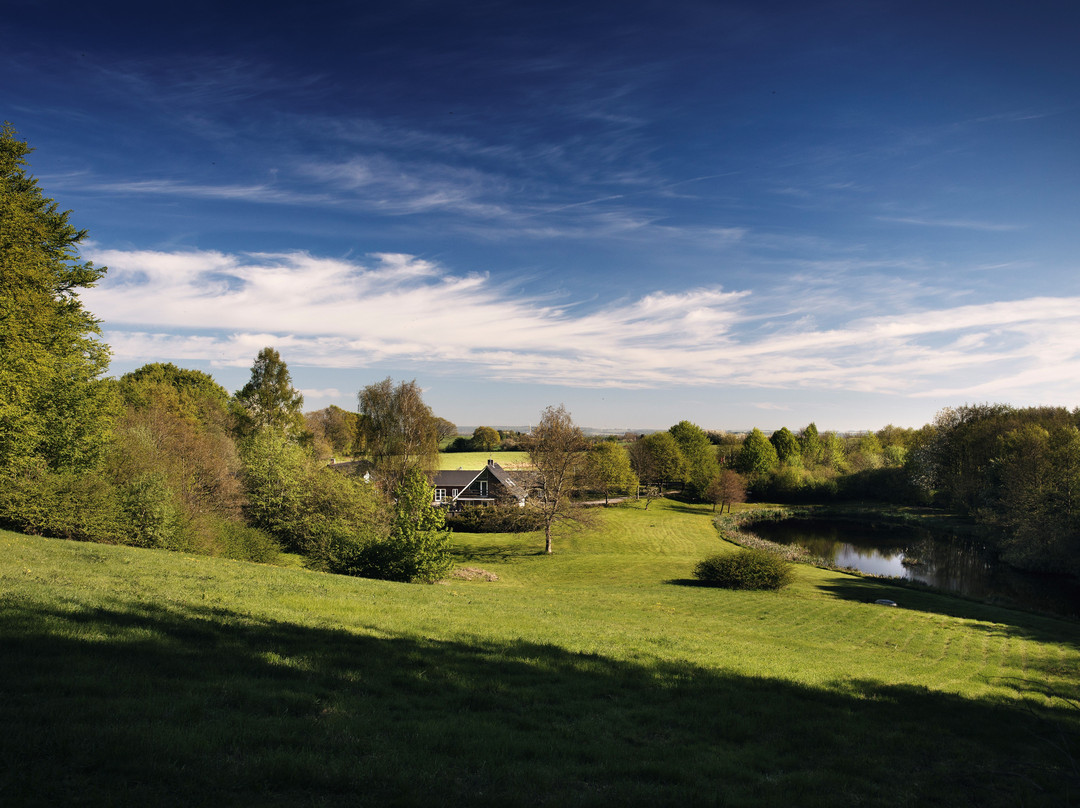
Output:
x,y
748,568
417,548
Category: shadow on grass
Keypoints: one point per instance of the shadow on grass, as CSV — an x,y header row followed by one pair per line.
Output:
x,y
140,705
463,553
912,596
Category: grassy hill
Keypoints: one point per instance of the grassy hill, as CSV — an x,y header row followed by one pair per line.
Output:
x,y
596,676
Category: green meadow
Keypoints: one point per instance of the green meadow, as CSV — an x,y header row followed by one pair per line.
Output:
x,y
600,675
448,461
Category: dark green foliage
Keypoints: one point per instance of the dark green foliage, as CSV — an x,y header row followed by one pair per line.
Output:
x,y
417,549
54,406
481,519
151,514
461,444
787,446
63,504
757,456
748,568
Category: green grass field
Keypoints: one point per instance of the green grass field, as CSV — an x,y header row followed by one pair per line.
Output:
x,y
477,460
596,676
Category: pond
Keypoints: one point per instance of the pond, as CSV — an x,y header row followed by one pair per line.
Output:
x,y
949,562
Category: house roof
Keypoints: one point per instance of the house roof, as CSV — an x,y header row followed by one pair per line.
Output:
x,y
463,478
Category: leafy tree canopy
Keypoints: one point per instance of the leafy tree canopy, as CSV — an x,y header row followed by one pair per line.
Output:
x,y
269,399
54,406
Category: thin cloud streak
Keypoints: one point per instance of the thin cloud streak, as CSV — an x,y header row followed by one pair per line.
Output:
x,y
396,310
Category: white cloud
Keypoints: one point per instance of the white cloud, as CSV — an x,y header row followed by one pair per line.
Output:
x,y
399,309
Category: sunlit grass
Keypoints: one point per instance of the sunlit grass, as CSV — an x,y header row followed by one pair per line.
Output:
x,y
449,461
597,675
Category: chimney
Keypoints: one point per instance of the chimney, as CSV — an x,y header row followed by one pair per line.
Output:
x,y
491,461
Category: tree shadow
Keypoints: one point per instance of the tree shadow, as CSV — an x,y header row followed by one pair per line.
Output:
x,y
1045,628
137,704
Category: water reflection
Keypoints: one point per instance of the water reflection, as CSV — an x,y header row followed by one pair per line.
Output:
x,y
949,562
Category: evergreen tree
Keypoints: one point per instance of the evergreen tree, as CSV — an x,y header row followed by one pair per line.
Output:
x,y
54,406
269,399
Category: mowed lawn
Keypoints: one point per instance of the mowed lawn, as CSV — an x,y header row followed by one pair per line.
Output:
x,y
599,675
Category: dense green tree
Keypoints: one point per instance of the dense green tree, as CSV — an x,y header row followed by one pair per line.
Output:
x,y
788,450
310,509
54,406
485,438
700,460
810,444
607,469
398,431
417,547
656,460
269,400
757,456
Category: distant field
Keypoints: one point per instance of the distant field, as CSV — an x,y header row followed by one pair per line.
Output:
x,y
595,676
477,460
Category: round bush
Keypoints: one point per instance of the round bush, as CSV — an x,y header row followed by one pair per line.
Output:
x,y
748,568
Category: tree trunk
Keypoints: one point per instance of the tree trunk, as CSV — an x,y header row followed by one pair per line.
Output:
x,y
547,538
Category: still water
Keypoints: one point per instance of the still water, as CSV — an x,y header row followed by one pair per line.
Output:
x,y
949,562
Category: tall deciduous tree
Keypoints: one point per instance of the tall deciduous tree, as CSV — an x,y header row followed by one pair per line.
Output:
x,y
700,457
54,406
607,469
269,400
727,488
398,431
788,451
657,460
557,449
757,456
485,438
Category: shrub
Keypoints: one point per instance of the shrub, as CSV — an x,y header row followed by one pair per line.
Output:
x,y
247,543
63,505
748,568
498,519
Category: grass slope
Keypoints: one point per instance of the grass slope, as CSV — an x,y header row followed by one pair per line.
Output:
x,y
598,675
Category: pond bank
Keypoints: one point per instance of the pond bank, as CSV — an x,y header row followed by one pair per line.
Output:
x,y
913,547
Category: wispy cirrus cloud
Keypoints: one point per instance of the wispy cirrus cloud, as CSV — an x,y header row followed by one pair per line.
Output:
x,y
964,224
401,310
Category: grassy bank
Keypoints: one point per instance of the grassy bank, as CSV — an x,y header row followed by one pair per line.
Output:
x,y
599,675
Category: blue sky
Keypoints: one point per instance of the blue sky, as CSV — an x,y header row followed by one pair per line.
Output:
x,y
755,214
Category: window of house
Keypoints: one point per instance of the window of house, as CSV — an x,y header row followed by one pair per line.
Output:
x,y
440,494
483,488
